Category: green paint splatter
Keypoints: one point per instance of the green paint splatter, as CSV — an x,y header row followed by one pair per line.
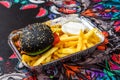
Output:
x,y
51,77
16,1
24,2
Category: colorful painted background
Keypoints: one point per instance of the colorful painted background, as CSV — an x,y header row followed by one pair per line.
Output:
x,y
103,64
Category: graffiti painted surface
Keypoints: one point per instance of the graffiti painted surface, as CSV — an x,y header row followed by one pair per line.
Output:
x,y
103,64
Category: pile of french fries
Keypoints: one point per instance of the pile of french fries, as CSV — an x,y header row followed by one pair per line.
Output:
x,y
68,44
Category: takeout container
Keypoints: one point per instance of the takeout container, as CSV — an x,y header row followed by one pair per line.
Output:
x,y
73,57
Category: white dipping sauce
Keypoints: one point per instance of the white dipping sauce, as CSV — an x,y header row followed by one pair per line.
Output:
x,y
73,27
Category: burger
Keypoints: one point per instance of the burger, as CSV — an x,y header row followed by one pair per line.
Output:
x,y
36,38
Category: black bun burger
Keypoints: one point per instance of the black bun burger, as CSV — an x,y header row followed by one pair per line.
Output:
x,y
36,39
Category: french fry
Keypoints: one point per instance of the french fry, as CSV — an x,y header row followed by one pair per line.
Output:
x,y
70,43
51,60
55,26
32,62
59,44
64,36
84,47
43,62
29,63
56,29
48,59
56,53
89,45
45,55
62,55
71,38
55,57
95,39
79,44
26,58
67,50
89,33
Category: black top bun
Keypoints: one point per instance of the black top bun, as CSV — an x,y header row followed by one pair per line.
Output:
x,y
36,37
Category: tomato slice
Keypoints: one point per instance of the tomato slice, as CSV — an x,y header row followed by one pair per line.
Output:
x,y
56,38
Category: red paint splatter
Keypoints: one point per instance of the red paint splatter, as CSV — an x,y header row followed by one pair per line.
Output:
x,y
29,6
116,58
42,12
117,23
13,56
97,0
113,66
117,29
5,4
1,59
